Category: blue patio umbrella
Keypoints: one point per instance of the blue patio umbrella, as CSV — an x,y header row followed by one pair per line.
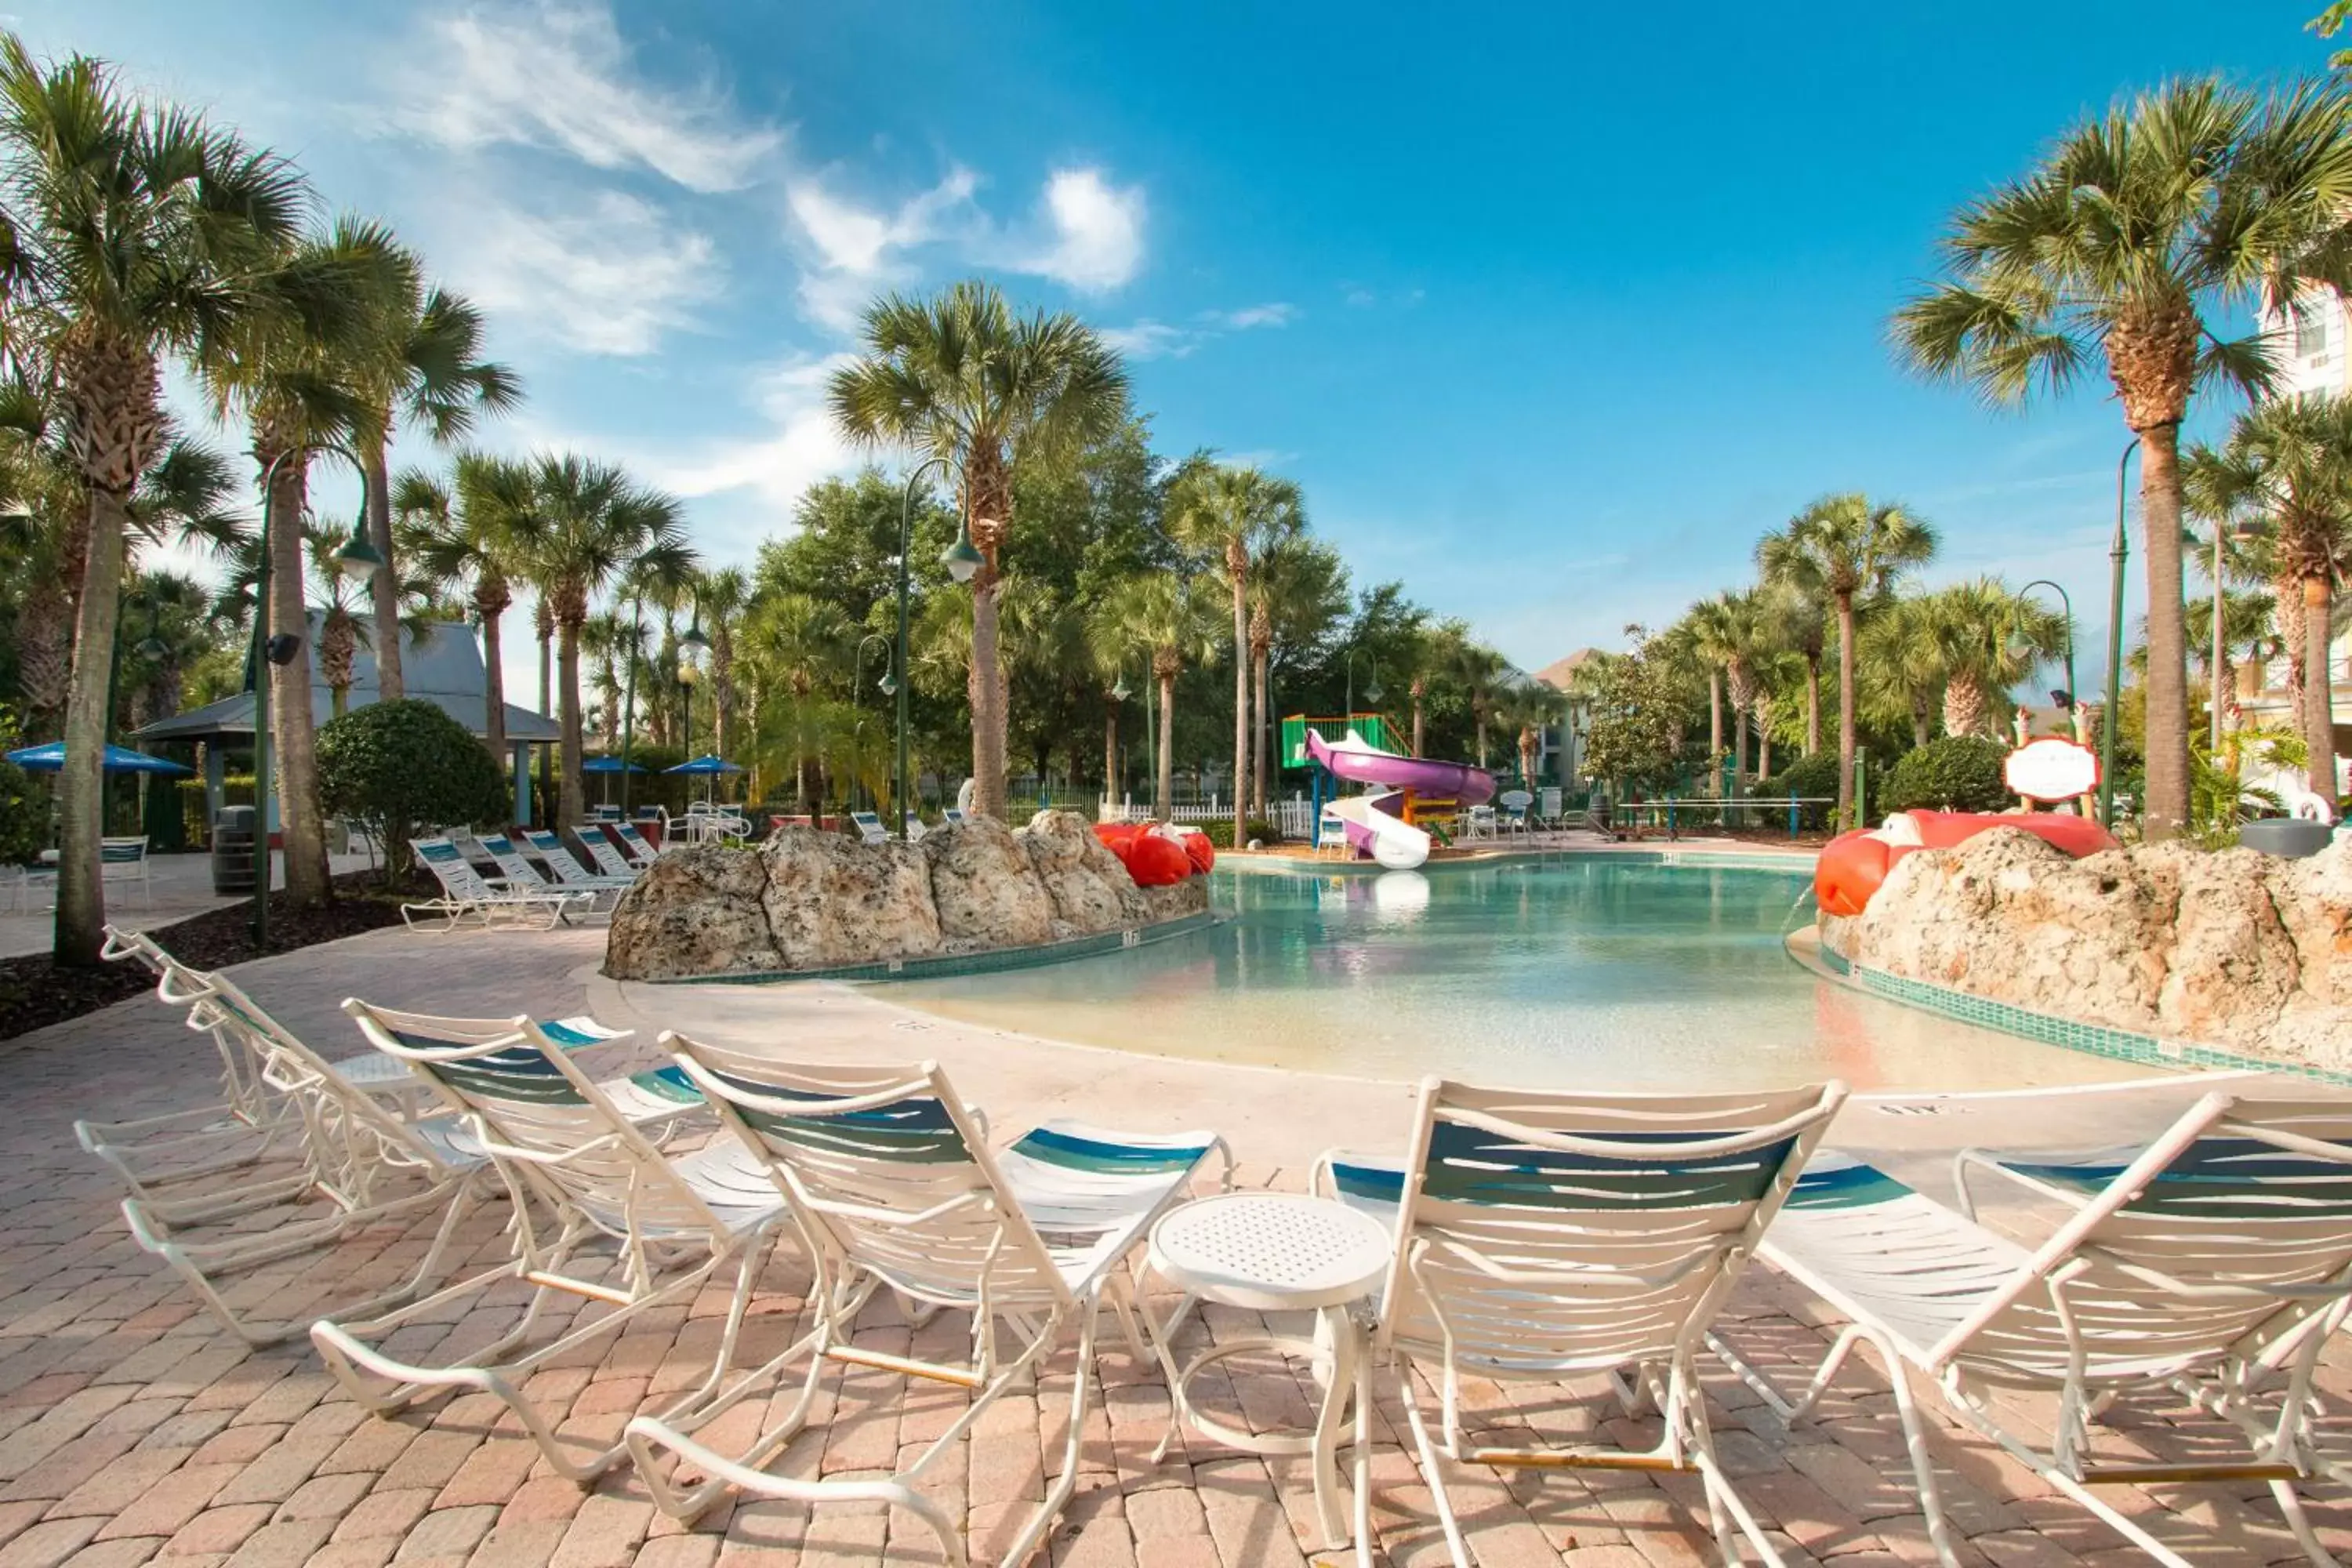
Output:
x,y
52,758
609,765
708,762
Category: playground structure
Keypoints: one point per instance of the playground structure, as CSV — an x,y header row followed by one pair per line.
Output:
x,y
1410,798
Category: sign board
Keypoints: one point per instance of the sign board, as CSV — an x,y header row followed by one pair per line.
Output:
x,y
2051,769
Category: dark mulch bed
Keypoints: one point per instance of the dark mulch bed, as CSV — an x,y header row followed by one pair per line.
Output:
x,y
33,994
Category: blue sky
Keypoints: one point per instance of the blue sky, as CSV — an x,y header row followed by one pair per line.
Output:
x,y
1551,314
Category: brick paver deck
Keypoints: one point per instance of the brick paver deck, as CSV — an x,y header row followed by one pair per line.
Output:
x,y
132,1428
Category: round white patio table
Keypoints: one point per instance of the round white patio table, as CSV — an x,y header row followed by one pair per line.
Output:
x,y
1277,1252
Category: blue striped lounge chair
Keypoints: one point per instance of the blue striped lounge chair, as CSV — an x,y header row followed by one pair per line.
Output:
x,y
465,896
892,1177
870,827
1545,1235
634,845
568,869
631,1229
2215,1260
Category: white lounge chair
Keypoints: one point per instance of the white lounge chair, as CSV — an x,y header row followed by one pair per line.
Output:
x,y
641,854
351,1154
896,1186
123,863
1540,1235
603,892
1511,811
914,828
2218,1256
465,896
869,827
633,1229
954,817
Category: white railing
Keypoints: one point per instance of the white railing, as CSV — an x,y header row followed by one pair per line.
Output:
x,y
1293,818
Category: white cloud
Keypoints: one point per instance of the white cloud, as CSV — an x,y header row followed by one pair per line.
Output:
x,y
610,280
559,75
801,445
1147,338
1276,314
1097,231
859,250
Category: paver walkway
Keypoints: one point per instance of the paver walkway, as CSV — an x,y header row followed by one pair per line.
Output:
x,y
132,1428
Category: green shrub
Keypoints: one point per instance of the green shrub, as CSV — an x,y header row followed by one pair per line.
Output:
x,y
24,808
394,767
1959,773
1813,777
1221,832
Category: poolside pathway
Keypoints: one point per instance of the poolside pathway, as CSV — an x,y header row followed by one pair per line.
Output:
x,y
132,1428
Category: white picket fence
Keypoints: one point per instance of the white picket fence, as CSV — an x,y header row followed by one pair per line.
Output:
x,y
1293,818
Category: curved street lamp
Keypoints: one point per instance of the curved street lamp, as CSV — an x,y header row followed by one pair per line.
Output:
x,y
2072,696
2116,553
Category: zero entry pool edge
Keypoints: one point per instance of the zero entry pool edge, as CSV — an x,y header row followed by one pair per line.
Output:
x,y
951,965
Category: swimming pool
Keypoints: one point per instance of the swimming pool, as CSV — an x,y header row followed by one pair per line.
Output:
x,y
1566,970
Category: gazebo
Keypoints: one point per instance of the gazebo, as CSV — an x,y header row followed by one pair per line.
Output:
x,y
439,663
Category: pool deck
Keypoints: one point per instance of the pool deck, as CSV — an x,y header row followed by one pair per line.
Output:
x,y
132,1428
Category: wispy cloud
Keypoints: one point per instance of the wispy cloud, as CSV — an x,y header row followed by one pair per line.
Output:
x,y
1149,339
560,77
611,279
1278,313
855,251
1097,241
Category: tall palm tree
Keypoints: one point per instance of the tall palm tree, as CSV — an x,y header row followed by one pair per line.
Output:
x,y
422,362
604,639
959,376
2130,243
1439,653
1716,630
720,598
288,379
1985,640
1848,550
800,643
471,537
589,523
1298,593
2290,460
1524,711
1478,669
1161,616
1900,666
1804,615
1234,514
2223,488
193,221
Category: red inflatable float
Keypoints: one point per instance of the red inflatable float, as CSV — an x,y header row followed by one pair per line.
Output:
x,y
1853,865
1157,856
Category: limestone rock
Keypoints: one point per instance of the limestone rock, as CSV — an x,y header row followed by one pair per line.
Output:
x,y
832,899
1090,888
694,911
1189,897
2230,965
2313,901
983,886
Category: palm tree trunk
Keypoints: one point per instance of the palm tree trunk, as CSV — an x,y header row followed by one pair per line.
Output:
x,y
303,830
494,691
2319,695
573,801
2167,806
1922,726
1738,745
1260,774
1417,731
1763,749
80,932
1813,703
384,582
1241,707
543,629
2286,607
1845,710
1164,786
986,687
1964,705
1713,716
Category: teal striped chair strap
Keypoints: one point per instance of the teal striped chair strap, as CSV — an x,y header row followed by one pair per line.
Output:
x,y
1076,1152
1469,1164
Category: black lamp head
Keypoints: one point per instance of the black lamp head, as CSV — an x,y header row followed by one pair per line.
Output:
x,y
2063,700
281,649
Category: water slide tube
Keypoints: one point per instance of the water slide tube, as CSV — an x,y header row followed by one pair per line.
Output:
x,y
1854,863
1373,822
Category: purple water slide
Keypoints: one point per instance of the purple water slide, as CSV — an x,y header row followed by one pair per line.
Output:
x,y
1360,763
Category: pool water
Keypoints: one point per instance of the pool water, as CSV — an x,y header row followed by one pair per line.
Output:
x,y
1562,971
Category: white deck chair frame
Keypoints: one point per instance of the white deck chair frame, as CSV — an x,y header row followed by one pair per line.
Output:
x,y
562,1146
549,847
634,845
891,1178
2219,1257
467,897
1540,1235
869,827
611,864
369,1166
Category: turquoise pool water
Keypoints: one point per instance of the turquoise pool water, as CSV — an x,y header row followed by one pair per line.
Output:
x,y
1566,970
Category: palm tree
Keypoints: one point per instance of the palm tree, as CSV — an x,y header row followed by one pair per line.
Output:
x,y
720,600
1985,640
1846,549
589,524
2223,488
1477,669
2130,242
1803,613
1439,653
1235,514
1160,615
340,630
1901,665
472,537
1524,711
193,220
288,378
604,639
421,362
1297,593
959,376
2291,461
1716,630
800,644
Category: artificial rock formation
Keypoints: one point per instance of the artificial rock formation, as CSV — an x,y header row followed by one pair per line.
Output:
x,y
2234,949
821,900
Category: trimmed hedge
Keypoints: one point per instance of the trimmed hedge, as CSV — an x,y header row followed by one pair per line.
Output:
x,y
394,767
1959,773
1807,777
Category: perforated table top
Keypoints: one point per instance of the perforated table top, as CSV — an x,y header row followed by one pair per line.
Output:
x,y
1271,1251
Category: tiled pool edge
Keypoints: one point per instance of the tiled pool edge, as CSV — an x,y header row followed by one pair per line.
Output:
x,y
950,965
1792,862
2068,1034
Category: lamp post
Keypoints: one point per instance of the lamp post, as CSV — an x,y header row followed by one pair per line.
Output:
x,y
359,558
629,697
858,692
2116,553
962,561
1119,692
2071,696
2244,530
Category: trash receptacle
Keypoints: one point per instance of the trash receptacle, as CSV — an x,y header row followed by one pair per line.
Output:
x,y
233,850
